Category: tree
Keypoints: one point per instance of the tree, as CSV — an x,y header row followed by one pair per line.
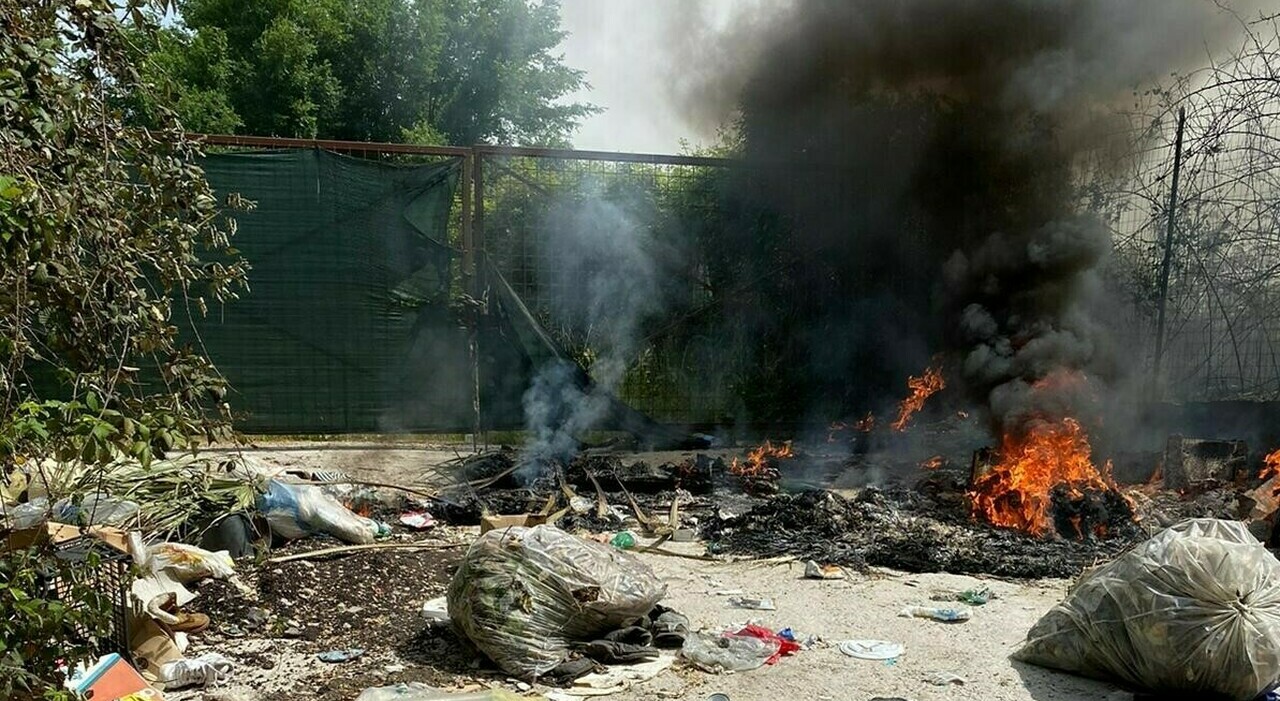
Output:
x,y
109,234
461,71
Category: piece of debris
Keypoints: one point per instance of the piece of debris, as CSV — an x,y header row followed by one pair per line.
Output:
x,y
336,656
729,652
1194,464
752,603
417,691
877,650
1143,618
787,645
812,570
944,679
417,520
110,679
973,597
436,610
945,615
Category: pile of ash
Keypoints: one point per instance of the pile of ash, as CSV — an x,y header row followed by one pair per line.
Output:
x,y
905,529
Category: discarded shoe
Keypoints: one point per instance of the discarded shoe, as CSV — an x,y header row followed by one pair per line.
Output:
x,y
189,622
209,668
607,652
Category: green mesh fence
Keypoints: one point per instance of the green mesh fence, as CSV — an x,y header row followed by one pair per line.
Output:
x,y
346,325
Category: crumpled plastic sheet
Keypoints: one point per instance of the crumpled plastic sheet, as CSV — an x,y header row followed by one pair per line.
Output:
x,y
1194,609
524,595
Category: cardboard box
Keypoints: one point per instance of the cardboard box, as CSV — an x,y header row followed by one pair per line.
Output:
x,y
489,523
56,533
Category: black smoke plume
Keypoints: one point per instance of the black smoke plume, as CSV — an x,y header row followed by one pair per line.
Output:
x,y
915,173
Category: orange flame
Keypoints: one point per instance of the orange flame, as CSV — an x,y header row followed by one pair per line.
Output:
x,y
1271,466
1015,493
932,463
863,425
923,387
757,462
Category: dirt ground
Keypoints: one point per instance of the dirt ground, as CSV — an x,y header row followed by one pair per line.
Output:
x,y
374,601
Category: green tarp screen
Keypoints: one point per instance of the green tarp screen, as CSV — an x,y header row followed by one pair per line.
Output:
x,y
345,326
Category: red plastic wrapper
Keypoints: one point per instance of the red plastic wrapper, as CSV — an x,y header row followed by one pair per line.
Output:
x,y
785,645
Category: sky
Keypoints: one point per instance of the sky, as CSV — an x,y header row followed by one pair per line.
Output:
x,y
630,50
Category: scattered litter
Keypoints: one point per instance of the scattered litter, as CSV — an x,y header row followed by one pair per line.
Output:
x,y
973,597
786,644
436,610
393,668
728,592
613,680
580,504
417,691
209,668
812,570
1194,609
718,697
753,604
683,535
524,595
715,652
871,649
340,655
944,679
945,615
624,540
417,520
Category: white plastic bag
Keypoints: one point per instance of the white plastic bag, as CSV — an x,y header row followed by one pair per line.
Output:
x,y
523,595
296,510
1194,609
187,563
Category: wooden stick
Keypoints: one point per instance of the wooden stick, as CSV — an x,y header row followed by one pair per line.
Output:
x,y
349,549
385,485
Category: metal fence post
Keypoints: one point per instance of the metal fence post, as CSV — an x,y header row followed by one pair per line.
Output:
x,y
1168,253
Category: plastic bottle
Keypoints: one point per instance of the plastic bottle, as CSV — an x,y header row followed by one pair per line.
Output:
x,y
946,615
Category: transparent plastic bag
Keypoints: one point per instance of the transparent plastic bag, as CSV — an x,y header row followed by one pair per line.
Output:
x,y
297,510
714,652
522,595
1194,609
96,509
29,515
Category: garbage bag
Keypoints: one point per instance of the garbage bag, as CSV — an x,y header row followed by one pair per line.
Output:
x,y
296,510
523,595
1194,609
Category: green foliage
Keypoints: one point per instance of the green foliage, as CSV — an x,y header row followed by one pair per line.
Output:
x,y
34,624
423,71
107,231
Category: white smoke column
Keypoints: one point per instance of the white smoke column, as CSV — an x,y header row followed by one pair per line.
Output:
x,y
600,274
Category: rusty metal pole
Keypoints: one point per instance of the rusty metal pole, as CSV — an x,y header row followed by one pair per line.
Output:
x,y
1168,252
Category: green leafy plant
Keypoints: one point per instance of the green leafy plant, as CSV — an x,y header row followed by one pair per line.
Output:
x,y
110,240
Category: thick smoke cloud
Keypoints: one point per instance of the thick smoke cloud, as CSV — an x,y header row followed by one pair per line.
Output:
x,y
945,139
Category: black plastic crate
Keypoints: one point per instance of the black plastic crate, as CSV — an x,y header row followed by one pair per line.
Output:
x,y
110,578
